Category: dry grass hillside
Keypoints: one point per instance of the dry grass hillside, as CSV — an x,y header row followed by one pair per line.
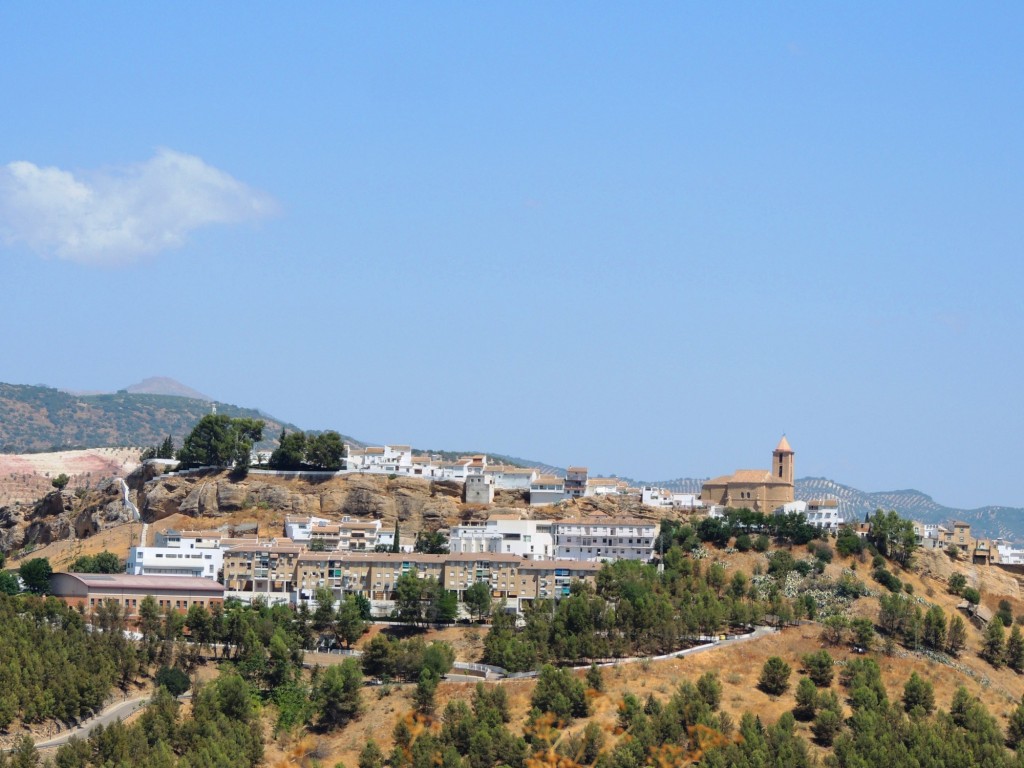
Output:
x,y
738,666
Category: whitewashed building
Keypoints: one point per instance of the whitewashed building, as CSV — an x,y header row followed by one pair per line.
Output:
x,y
505,534
297,528
179,553
604,486
605,538
547,489
652,496
392,459
479,489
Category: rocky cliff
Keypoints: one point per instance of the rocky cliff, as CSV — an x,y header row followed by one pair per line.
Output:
x,y
265,498
63,515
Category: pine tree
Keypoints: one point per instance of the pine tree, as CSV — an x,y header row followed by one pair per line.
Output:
x,y
956,639
993,650
1015,728
1015,650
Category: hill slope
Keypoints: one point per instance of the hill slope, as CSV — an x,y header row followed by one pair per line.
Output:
x,y
36,418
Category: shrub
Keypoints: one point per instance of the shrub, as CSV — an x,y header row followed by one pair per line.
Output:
x,y
744,542
774,678
971,595
821,551
887,580
761,543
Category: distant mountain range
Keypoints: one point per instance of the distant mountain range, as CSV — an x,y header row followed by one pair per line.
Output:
x,y
38,418
992,521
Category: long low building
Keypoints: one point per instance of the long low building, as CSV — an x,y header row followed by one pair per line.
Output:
x,y
177,593
297,575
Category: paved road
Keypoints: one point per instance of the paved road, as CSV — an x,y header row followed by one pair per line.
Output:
x,y
116,711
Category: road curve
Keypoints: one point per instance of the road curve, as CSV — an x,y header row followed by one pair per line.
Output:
x,y
116,711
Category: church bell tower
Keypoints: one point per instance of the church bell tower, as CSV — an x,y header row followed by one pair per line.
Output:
x,y
782,462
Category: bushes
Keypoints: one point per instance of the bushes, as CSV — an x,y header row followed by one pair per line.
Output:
x,y
887,580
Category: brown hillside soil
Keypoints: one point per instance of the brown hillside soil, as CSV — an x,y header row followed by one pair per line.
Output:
x,y
26,477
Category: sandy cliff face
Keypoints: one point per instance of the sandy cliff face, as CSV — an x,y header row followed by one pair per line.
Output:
x,y
414,503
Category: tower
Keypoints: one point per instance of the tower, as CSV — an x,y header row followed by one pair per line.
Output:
x,y
782,462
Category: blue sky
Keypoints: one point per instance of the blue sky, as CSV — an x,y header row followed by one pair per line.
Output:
x,y
649,239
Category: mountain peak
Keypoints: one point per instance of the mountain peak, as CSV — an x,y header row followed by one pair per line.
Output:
x,y
164,385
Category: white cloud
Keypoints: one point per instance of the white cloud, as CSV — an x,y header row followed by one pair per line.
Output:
x,y
116,216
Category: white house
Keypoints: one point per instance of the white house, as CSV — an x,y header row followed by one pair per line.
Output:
x,y
604,486
392,459
504,534
824,513
179,553
605,538
652,496
297,528
386,540
547,489
1009,553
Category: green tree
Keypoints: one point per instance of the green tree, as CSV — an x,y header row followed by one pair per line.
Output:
x,y
820,668
35,575
774,678
323,615
371,756
338,694
326,451
478,599
710,689
935,628
918,693
424,696
290,453
173,679
595,680
806,699
431,543
560,693
956,639
60,482
863,632
396,545
9,583
220,441
166,449
956,583
1015,650
1015,728
826,725
350,625
993,648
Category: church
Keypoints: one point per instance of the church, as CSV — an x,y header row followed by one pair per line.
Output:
x,y
761,490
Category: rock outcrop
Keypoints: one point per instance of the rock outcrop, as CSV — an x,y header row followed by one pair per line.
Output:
x,y
63,515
